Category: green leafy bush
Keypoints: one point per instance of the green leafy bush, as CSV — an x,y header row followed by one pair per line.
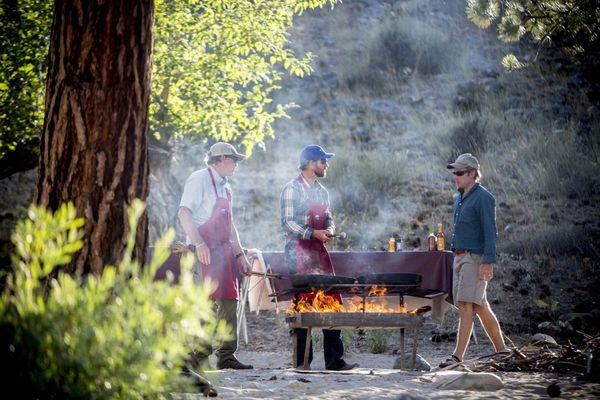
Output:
x,y
377,341
117,335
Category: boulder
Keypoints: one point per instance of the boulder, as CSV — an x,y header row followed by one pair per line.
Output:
x,y
420,363
542,338
455,380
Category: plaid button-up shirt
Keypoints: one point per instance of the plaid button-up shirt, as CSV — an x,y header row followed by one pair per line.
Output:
x,y
294,200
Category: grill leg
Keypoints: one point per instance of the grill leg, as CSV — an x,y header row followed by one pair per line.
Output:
x,y
307,347
294,348
402,362
416,332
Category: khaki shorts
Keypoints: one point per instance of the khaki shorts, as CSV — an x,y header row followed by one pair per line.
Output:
x,y
466,285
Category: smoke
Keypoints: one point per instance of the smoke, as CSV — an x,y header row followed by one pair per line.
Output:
x,y
387,177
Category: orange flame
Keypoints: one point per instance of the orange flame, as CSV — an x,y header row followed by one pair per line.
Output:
x,y
377,291
321,303
325,303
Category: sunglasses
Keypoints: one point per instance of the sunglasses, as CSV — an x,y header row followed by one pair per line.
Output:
x,y
324,161
459,173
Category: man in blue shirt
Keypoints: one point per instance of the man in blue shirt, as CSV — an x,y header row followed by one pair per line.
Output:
x,y
474,246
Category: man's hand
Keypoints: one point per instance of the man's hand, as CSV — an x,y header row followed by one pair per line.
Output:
x,y
244,265
486,272
203,254
321,235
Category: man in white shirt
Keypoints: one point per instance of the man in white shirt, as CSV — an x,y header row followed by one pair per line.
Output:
x,y
205,213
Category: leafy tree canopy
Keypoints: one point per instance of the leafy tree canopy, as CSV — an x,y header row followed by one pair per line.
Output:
x,y
24,36
216,65
573,25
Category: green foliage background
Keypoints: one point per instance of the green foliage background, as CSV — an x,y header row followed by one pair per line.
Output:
x,y
114,336
573,25
216,65
24,35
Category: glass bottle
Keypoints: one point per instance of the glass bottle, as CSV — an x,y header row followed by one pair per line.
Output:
x,y
440,242
431,242
399,244
392,244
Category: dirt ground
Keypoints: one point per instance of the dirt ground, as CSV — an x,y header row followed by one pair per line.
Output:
x,y
269,350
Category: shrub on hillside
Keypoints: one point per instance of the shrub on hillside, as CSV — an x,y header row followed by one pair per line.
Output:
x,y
468,136
118,335
401,47
357,177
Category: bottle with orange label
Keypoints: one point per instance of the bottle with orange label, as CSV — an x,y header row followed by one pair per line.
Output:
x,y
392,244
440,242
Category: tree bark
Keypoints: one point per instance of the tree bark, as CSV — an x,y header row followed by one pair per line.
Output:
x,y
94,147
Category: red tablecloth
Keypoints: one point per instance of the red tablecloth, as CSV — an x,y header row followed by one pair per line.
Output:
x,y
434,266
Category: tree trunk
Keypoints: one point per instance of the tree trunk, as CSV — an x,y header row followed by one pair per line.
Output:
x,y
94,149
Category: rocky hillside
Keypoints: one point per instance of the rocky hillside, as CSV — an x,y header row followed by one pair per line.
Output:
x,y
399,88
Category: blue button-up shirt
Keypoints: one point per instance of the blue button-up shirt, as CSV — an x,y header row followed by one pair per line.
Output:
x,y
475,223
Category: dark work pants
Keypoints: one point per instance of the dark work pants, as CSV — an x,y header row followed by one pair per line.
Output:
x,y
332,347
225,310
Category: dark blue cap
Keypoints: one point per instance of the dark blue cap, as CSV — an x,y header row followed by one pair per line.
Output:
x,y
313,152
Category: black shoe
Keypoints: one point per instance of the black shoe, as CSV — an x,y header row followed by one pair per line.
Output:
x,y
344,367
233,364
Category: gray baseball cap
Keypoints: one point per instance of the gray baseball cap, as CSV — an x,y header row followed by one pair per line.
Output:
x,y
466,160
224,149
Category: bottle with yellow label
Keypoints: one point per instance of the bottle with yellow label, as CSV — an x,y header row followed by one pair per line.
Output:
x,y
392,244
440,242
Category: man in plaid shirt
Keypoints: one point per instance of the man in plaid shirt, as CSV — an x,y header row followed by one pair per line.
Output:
x,y
295,218
308,226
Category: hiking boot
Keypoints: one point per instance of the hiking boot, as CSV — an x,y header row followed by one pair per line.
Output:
x,y
343,367
233,364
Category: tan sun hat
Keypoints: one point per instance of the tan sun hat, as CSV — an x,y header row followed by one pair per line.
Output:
x,y
466,160
224,149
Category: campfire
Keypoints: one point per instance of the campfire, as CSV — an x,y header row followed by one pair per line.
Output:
x,y
373,302
367,308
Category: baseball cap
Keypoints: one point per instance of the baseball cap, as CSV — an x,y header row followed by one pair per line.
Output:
x,y
466,160
224,149
313,152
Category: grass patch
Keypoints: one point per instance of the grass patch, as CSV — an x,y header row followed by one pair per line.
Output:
x,y
376,341
553,241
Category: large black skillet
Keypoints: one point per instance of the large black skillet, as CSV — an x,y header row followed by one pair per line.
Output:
x,y
323,281
314,280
